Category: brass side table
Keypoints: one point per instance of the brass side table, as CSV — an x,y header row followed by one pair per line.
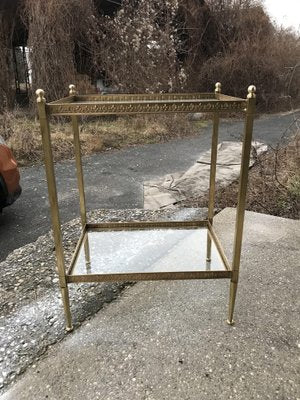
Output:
x,y
98,253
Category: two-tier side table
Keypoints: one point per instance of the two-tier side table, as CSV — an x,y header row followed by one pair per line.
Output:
x,y
98,253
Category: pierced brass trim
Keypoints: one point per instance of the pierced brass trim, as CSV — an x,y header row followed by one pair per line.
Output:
x,y
146,225
144,97
149,276
145,107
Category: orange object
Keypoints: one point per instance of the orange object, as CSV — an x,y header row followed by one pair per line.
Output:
x,y
10,188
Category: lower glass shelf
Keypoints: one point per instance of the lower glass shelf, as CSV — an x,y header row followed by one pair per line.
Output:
x,y
146,253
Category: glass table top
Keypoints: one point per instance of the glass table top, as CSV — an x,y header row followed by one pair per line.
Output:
x,y
146,250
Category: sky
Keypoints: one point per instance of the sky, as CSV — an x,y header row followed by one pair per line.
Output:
x,y
284,12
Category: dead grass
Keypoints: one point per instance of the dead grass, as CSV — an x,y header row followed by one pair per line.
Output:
x,y
274,184
23,136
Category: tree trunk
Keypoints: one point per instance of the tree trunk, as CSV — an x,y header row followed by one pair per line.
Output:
x,y
8,10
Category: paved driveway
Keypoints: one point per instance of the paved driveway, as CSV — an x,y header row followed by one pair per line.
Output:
x,y
114,179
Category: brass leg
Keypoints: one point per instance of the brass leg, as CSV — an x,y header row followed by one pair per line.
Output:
x,y
87,249
56,226
208,247
232,296
66,303
212,178
239,223
79,170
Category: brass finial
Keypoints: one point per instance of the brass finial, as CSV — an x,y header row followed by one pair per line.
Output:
x,y
251,92
40,94
218,87
72,90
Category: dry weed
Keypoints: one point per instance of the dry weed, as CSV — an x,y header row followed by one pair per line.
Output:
x,y
23,136
273,187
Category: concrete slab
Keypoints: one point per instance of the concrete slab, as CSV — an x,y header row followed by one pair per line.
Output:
x,y
169,340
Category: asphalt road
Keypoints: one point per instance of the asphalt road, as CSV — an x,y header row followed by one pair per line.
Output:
x,y
114,179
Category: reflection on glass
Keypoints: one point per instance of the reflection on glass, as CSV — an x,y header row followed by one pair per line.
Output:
x,y
155,250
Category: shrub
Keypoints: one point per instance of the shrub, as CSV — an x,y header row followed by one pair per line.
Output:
x,y
252,50
136,47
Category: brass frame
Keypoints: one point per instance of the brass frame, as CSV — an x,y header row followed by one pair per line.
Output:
x,y
214,103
